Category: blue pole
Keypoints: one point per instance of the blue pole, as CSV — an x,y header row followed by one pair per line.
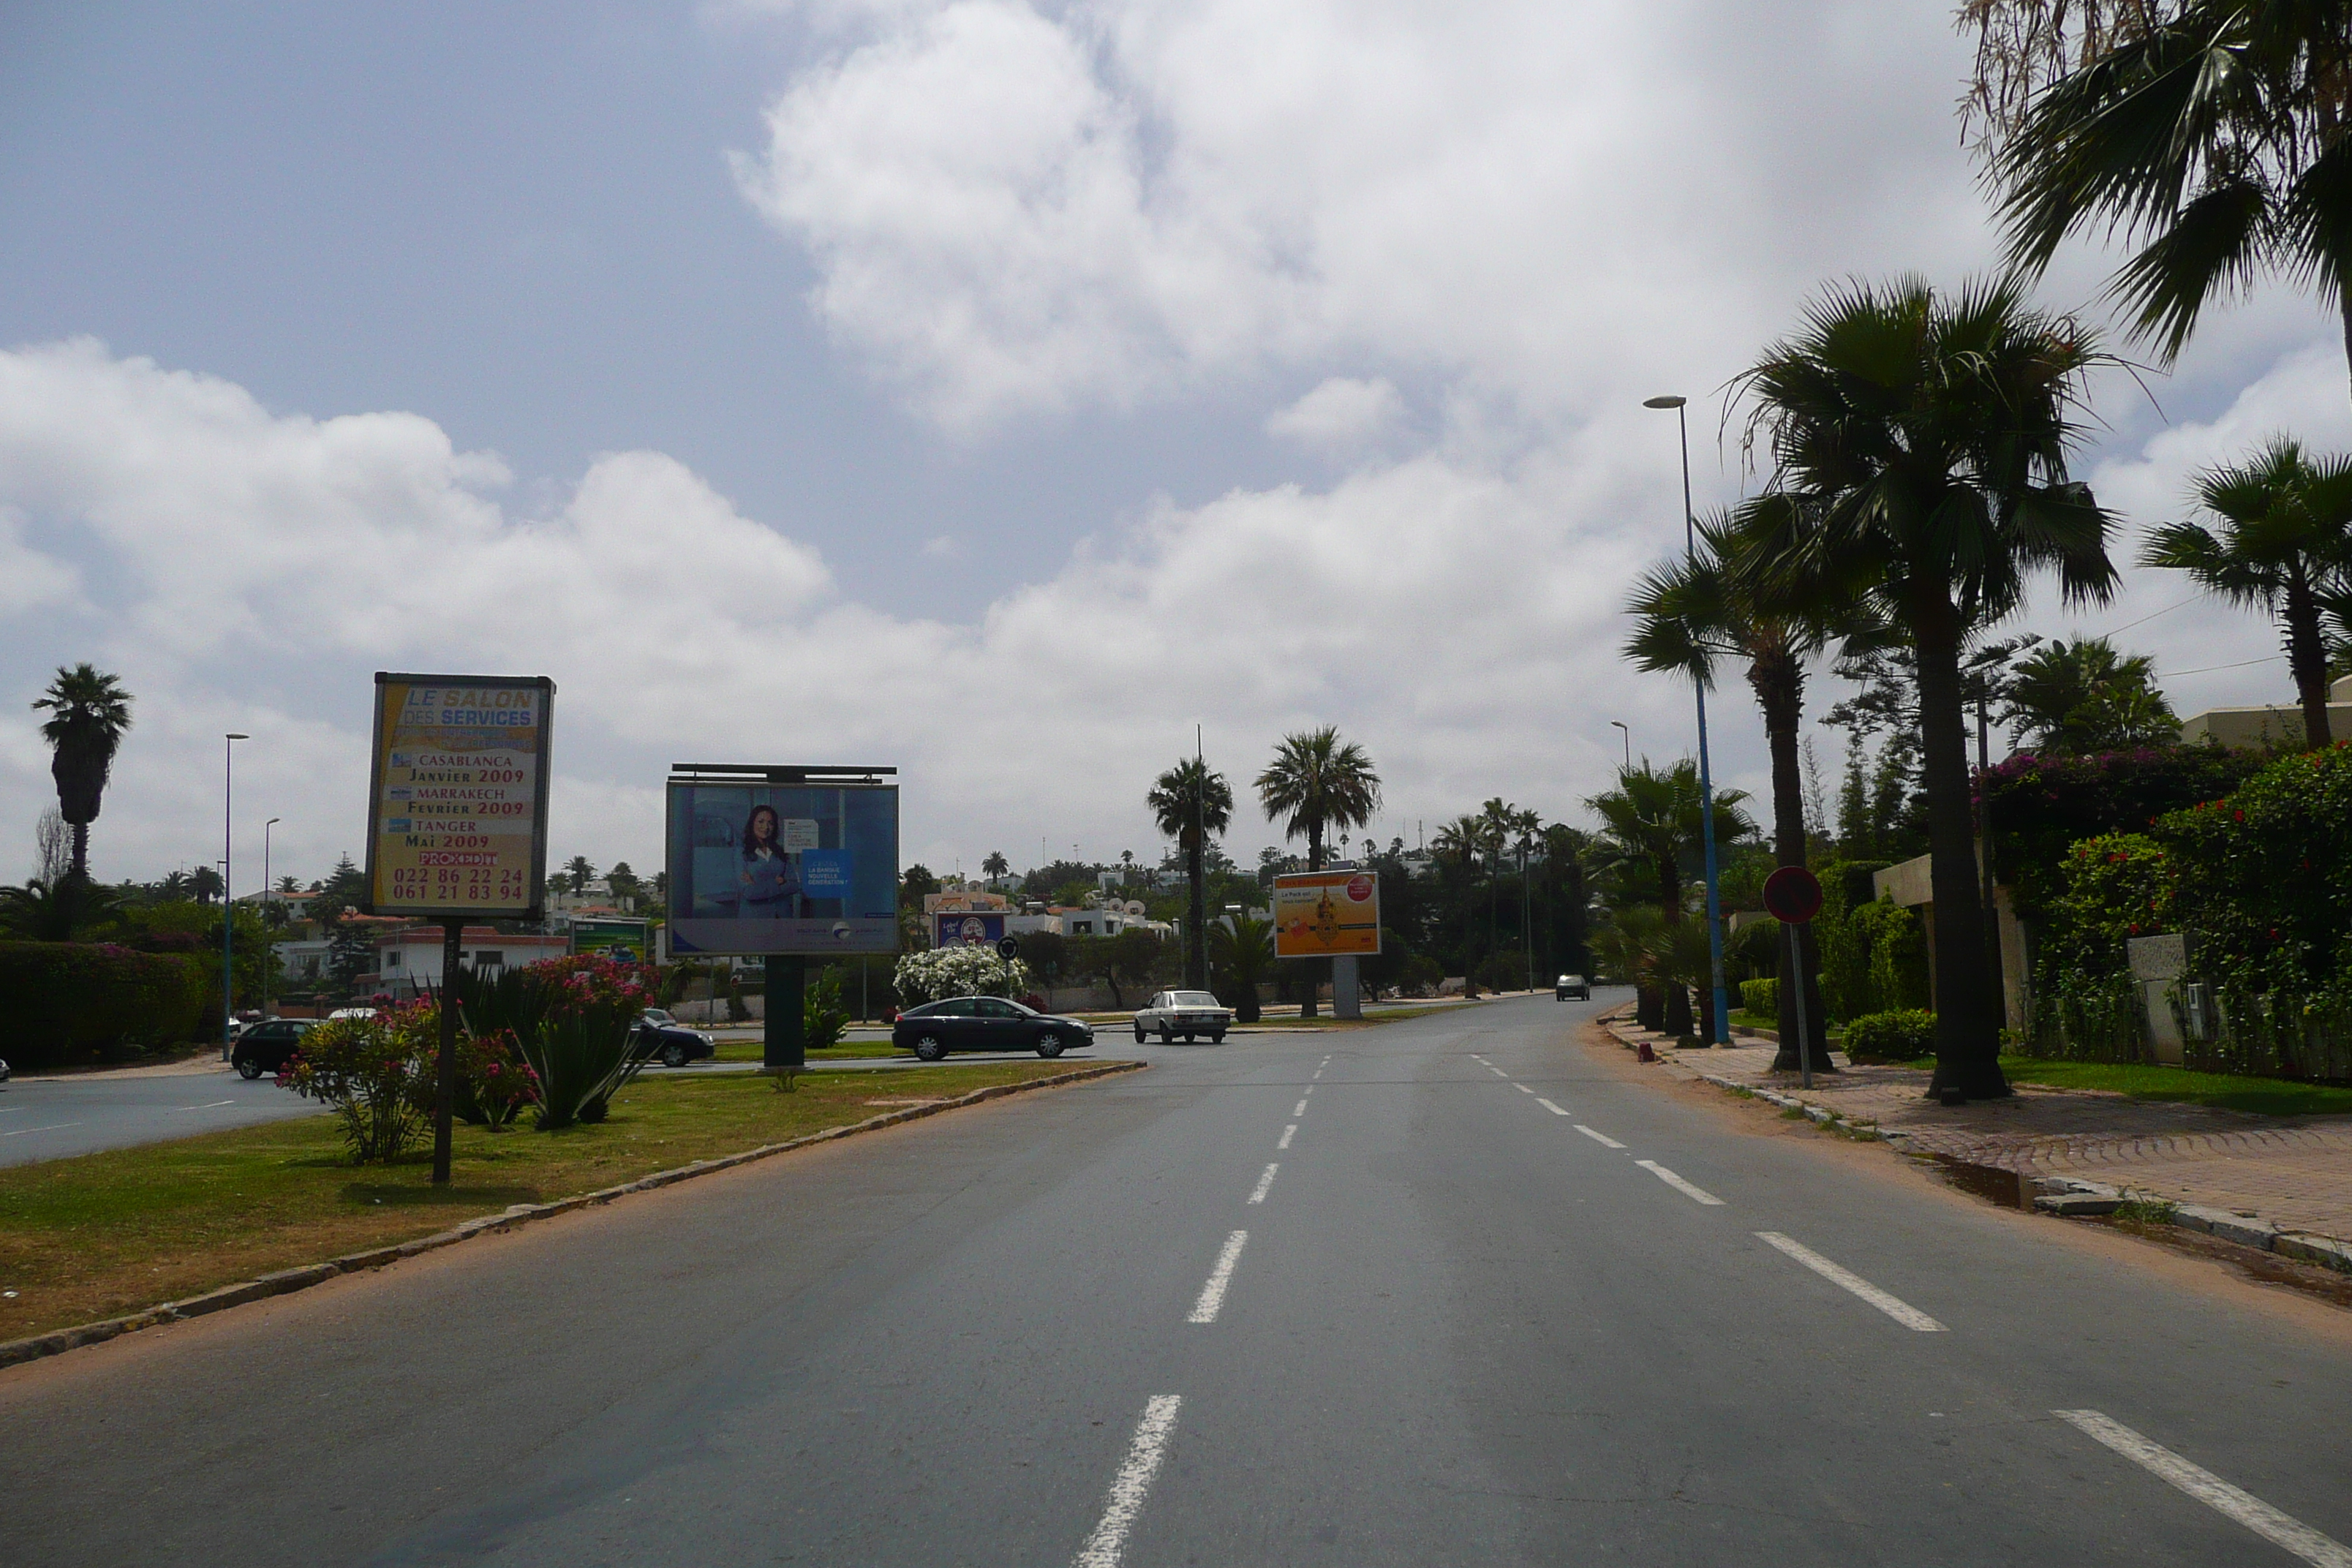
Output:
x,y
1722,1031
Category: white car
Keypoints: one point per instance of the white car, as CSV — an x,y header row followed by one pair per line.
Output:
x,y
1186,1013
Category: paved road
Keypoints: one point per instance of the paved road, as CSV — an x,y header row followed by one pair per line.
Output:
x,y
49,1119
1359,1299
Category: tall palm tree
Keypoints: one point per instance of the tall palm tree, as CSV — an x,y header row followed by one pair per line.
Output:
x,y
579,871
996,866
1316,783
1918,443
1693,612
1464,843
89,715
1496,819
1189,802
2210,132
1654,819
2285,544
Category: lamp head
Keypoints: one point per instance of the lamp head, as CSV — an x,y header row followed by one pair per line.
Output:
x,y
1662,402
237,737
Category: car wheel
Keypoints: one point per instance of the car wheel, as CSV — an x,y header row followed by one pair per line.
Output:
x,y
1188,1037
1049,1046
931,1049
248,1068
1138,1033
1167,1036
1218,1039
674,1056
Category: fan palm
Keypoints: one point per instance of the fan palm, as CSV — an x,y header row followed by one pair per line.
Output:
x,y
2083,696
1316,783
89,715
1693,612
1653,820
2285,544
2210,132
1188,803
1462,843
1241,951
1918,445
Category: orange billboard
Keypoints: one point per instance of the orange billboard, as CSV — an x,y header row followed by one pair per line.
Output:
x,y
1327,914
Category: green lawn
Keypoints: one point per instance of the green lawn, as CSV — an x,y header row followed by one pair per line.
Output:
x,y
848,1050
2263,1096
105,1233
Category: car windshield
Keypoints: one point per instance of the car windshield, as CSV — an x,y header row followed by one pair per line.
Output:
x,y
655,1016
1193,999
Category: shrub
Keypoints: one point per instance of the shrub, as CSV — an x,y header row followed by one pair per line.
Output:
x,y
572,1020
494,1081
1900,1035
83,1001
1503,972
377,1072
824,1020
939,973
1760,997
1873,959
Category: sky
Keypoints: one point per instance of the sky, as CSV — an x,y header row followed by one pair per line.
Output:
x,y
989,389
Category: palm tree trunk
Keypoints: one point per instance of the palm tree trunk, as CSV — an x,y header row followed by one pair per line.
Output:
x,y
2306,657
1779,683
1967,1029
1316,968
79,871
1196,926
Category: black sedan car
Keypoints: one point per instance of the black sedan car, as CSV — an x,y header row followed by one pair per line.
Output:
x,y
985,1024
663,1038
268,1046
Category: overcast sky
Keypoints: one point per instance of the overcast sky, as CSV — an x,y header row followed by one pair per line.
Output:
x,y
991,389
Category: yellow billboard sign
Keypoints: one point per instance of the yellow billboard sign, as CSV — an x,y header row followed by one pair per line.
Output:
x,y
457,795
1325,914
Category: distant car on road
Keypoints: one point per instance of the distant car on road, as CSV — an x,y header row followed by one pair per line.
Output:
x,y
268,1046
986,1024
660,1036
1186,1013
1574,985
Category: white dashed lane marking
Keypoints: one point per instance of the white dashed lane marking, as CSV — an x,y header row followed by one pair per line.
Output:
x,y
2280,1530
1547,1105
1523,1089
1902,1312
1132,1484
1212,1294
1601,1138
1265,1183
1287,1134
1299,1109
1686,1188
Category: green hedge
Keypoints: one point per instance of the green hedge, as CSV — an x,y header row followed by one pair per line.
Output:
x,y
1761,998
1901,1034
63,1003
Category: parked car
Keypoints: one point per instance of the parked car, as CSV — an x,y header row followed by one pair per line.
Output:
x,y
662,1036
268,1046
1186,1013
986,1024
1574,985
3,1072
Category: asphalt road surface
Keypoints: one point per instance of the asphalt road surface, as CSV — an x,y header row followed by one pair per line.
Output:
x,y
48,1119
1454,1290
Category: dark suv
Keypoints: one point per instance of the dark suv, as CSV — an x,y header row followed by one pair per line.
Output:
x,y
985,1024
268,1046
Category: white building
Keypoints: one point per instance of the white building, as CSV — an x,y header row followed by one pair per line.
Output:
x,y
409,962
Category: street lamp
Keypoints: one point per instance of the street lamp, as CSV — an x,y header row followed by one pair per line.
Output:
x,y
1721,1032
1620,724
229,912
270,960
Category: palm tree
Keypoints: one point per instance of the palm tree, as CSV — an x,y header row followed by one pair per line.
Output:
x,y
2285,544
1496,819
1691,613
1918,445
1463,842
579,872
1241,950
1190,803
2210,132
996,868
2083,696
1653,820
88,714
1316,783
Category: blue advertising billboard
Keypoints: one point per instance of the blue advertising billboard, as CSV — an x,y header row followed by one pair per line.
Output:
x,y
974,929
802,867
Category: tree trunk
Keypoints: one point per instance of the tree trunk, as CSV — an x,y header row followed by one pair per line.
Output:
x,y
79,871
1678,1010
2306,657
1315,967
1196,925
1968,1026
1779,683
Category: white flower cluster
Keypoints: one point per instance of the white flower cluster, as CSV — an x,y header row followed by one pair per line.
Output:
x,y
956,972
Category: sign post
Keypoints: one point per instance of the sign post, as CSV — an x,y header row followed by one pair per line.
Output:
x,y
458,821
1333,915
1793,897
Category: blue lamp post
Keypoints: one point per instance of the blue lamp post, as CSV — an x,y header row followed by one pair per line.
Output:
x,y
1721,1032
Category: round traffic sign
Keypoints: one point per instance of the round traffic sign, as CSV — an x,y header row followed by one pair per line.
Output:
x,y
1007,948
1792,895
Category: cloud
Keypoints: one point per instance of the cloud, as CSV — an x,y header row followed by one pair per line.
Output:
x,y
1341,415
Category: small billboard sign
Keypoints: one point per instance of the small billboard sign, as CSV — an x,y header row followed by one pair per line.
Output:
x,y
457,795
1327,914
970,930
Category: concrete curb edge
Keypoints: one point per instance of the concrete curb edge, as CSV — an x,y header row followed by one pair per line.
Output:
x,y
57,1342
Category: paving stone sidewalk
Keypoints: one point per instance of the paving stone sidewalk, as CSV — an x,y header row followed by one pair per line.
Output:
x,y
2295,1171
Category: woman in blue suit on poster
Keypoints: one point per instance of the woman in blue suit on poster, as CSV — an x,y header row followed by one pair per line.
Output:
x,y
770,885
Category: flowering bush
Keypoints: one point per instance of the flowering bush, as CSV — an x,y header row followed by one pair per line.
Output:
x,y
944,972
571,1021
494,1081
377,1072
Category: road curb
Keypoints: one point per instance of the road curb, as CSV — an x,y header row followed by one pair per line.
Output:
x,y
2071,1198
57,1342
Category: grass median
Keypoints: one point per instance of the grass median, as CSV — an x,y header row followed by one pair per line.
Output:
x,y
2262,1095
101,1235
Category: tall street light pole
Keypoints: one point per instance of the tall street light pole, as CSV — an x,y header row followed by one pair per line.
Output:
x,y
268,960
228,922
1721,1031
1620,724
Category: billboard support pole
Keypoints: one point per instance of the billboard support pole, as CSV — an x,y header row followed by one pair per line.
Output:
x,y
1346,996
445,1070
785,1040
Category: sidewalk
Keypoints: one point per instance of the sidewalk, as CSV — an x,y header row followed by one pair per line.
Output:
x,y
2295,1172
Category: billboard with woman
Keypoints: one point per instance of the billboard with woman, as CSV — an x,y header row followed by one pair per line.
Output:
x,y
783,861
